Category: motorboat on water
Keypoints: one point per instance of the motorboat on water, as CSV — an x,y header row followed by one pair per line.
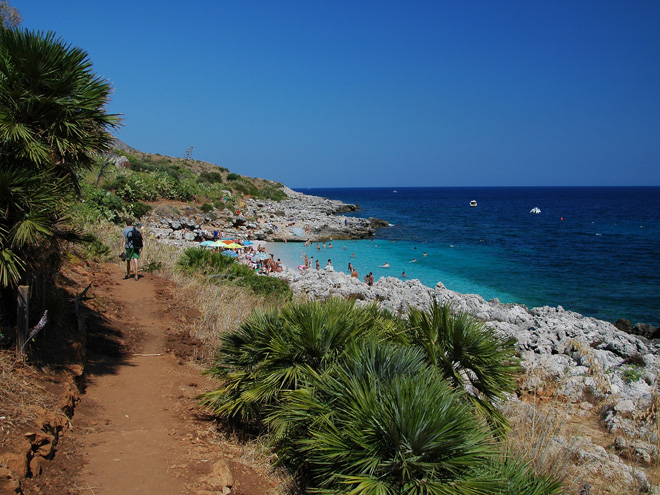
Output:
x,y
473,203
536,210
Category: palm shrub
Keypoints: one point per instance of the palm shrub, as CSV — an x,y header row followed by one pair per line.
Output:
x,y
276,351
407,433
52,122
381,420
29,213
202,260
52,106
366,360
472,358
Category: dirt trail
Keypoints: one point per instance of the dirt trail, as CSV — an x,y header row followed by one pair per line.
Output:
x,y
137,426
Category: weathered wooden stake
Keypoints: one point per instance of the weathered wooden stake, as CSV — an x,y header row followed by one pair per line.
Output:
x,y
22,323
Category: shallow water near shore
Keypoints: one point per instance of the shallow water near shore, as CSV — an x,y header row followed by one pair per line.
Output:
x,y
592,250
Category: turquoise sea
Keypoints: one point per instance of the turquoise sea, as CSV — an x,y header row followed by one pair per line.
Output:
x,y
592,250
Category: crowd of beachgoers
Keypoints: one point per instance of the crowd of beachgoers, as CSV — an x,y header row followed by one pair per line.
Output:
x,y
247,252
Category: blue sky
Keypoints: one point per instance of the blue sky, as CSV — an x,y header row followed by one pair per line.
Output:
x,y
383,93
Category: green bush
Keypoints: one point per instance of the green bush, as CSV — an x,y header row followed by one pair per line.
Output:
x,y
210,177
273,193
233,177
246,188
96,250
204,261
206,207
631,374
276,351
359,401
138,209
267,286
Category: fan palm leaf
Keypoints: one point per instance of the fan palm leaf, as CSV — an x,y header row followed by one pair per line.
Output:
x,y
52,106
52,122
279,350
408,433
472,357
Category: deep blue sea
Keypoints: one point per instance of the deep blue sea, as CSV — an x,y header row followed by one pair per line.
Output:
x,y
594,250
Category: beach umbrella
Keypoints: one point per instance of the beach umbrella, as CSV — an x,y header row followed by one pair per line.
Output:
x,y
227,241
206,243
260,256
217,244
231,254
248,243
233,245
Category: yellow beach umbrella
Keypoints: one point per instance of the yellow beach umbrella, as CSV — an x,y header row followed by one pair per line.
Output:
x,y
233,245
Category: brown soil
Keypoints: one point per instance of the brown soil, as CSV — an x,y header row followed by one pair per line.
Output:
x,y
137,428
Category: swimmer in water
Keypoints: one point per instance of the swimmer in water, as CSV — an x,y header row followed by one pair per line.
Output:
x,y
386,265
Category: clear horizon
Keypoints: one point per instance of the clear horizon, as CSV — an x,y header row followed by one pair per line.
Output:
x,y
367,94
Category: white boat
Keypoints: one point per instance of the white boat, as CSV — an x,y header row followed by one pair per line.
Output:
x,y
535,210
473,203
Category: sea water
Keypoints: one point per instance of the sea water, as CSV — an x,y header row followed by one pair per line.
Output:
x,y
591,250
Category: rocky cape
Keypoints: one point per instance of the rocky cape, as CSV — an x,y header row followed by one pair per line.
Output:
x,y
300,217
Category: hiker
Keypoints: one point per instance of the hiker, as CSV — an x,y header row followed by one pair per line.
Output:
x,y
131,243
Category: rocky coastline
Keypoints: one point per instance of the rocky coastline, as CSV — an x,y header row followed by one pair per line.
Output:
x,y
298,218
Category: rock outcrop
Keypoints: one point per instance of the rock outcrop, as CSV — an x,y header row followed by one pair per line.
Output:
x,y
300,217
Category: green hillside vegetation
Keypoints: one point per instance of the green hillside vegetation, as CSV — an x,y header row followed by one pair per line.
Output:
x,y
114,193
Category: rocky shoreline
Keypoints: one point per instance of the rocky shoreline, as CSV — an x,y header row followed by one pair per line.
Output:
x,y
298,218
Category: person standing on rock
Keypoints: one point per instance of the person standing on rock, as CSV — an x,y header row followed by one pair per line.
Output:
x,y
129,243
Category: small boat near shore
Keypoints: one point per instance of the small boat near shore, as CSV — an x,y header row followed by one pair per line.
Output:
x,y
536,210
473,203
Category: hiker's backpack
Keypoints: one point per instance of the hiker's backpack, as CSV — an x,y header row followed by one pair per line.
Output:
x,y
135,237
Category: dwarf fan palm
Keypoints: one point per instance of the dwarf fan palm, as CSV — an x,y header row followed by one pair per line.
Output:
x,y
469,355
52,121
275,351
28,214
367,361
52,106
404,434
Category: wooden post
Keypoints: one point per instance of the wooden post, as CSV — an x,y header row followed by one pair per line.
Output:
x,y
22,323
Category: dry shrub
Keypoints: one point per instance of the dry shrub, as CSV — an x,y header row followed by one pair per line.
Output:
x,y
534,429
21,396
555,441
222,307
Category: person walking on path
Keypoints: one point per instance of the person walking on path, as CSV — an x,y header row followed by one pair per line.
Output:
x,y
128,238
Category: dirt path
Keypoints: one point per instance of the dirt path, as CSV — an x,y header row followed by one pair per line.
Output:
x,y
137,429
